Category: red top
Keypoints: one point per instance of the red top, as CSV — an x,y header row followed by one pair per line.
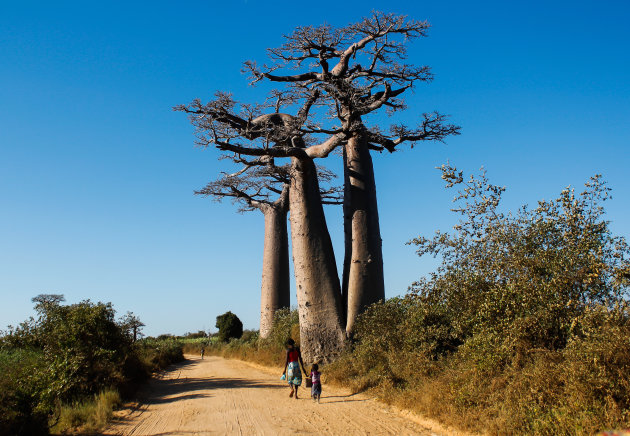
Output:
x,y
293,355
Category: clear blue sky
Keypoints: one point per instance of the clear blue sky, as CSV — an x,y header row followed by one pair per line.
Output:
x,y
97,173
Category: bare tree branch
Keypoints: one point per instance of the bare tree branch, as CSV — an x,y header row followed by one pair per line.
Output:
x,y
432,128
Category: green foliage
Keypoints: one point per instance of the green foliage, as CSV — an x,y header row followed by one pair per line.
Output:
x,y
157,354
23,381
283,328
523,329
249,336
194,345
67,354
82,344
229,326
527,277
251,347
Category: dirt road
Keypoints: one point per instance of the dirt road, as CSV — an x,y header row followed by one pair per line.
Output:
x,y
219,396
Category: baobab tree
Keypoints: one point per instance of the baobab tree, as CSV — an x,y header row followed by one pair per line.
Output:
x,y
263,186
132,325
352,71
244,131
358,69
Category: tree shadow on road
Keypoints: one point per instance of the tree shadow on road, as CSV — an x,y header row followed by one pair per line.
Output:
x,y
179,398
341,396
340,401
344,398
164,391
168,390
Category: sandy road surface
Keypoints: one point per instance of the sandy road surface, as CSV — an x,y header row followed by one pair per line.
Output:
x,y
220,396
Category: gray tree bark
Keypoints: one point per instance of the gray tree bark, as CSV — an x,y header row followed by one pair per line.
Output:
x,y
322,335
363,281
275,291
357,74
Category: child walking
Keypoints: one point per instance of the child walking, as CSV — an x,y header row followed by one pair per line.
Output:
x,y
316,388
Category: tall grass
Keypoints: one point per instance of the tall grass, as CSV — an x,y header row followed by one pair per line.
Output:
x,y
88,415
577,390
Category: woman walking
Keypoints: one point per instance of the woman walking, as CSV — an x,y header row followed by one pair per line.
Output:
x,y
292,367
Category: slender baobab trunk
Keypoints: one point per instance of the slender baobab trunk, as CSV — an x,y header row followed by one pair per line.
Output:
x,y
275,292
363,282
322,335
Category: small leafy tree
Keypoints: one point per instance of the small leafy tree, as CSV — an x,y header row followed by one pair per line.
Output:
x,y
83,344
229,326
524,280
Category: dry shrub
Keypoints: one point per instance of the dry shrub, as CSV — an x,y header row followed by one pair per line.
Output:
x,y
578,390
523,329
295,333
89,415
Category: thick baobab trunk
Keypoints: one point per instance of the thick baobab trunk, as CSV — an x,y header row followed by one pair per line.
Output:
x,y
322,335
363,282
275,292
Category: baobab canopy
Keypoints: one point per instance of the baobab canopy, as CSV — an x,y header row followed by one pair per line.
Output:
x,y
342,75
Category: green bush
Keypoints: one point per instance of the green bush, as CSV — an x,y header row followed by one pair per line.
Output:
x,y
249,336
523,329
63,359
530,276
83,348
285,325
229,327
23,381
158,354
199,335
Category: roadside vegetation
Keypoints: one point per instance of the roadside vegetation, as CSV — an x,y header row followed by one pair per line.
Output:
x,y
67,369
269,351
230,336
523,329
